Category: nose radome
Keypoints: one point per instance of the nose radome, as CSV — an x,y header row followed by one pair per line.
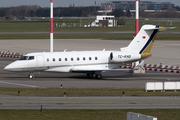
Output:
x,y
8,67
15,66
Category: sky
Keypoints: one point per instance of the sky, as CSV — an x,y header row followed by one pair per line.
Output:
x,y
66,3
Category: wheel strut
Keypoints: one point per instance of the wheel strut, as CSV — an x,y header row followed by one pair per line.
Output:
x,y
31,75
90,75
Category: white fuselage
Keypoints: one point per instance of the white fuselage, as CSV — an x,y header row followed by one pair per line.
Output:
x,y
80,61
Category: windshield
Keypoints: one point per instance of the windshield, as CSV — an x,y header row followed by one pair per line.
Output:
x,y
27,58
31,58
24,58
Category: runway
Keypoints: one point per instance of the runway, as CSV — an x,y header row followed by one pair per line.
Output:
x,y
12,102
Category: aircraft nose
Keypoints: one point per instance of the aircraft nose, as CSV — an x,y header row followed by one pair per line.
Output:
x,y
8,68
15,66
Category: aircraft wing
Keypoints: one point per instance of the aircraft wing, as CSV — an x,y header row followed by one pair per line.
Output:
x,y
94,69
100,70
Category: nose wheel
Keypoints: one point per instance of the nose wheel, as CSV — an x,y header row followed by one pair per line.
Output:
x,y
31,75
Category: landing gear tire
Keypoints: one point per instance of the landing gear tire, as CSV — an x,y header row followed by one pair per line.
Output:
x,y
98,76
90,75
31,75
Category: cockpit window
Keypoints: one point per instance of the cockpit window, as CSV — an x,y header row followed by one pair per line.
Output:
x,y
24,58
27,58
31,58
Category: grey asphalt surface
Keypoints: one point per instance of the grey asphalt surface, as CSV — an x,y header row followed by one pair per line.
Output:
x,y
165,52
124,102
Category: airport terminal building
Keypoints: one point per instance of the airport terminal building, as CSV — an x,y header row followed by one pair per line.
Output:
x,y
130,5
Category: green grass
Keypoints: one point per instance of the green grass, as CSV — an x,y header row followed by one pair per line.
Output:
x,y
161,114
24,26
78,92
106,36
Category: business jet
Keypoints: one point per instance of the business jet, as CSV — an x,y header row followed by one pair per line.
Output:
x,y
93,63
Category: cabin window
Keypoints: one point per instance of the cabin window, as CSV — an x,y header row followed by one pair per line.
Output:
x,y
59,59
53,59
66,59
72,59
77,58
90,58
84,58
47,59
96,58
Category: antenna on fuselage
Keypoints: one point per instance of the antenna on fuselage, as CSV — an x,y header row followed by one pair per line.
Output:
x,y
51,27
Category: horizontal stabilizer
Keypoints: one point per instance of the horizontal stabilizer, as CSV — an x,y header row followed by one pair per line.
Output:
x,y
158,28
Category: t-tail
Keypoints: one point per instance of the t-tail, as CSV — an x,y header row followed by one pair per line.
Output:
x,y
144,40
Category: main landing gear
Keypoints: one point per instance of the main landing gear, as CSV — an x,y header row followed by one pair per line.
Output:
x,y
31,75
97,75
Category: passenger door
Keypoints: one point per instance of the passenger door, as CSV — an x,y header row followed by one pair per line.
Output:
x,y
40,62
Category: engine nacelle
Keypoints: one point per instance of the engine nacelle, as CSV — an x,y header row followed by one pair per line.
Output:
x,y
124,56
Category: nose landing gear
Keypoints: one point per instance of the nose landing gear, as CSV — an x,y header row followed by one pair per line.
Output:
x,y
90,75
31,75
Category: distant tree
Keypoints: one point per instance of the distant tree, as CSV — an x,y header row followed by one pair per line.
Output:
x,y
177,8
32,13
39,13
118,13
121,21
170,13
35,10
46,12
128,13
2,13
77,11
22,12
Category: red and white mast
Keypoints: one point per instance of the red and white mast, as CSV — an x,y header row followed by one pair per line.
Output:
x,y
137,16
51,27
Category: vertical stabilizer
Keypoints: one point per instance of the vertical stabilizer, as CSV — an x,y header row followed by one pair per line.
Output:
x,y
143,41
